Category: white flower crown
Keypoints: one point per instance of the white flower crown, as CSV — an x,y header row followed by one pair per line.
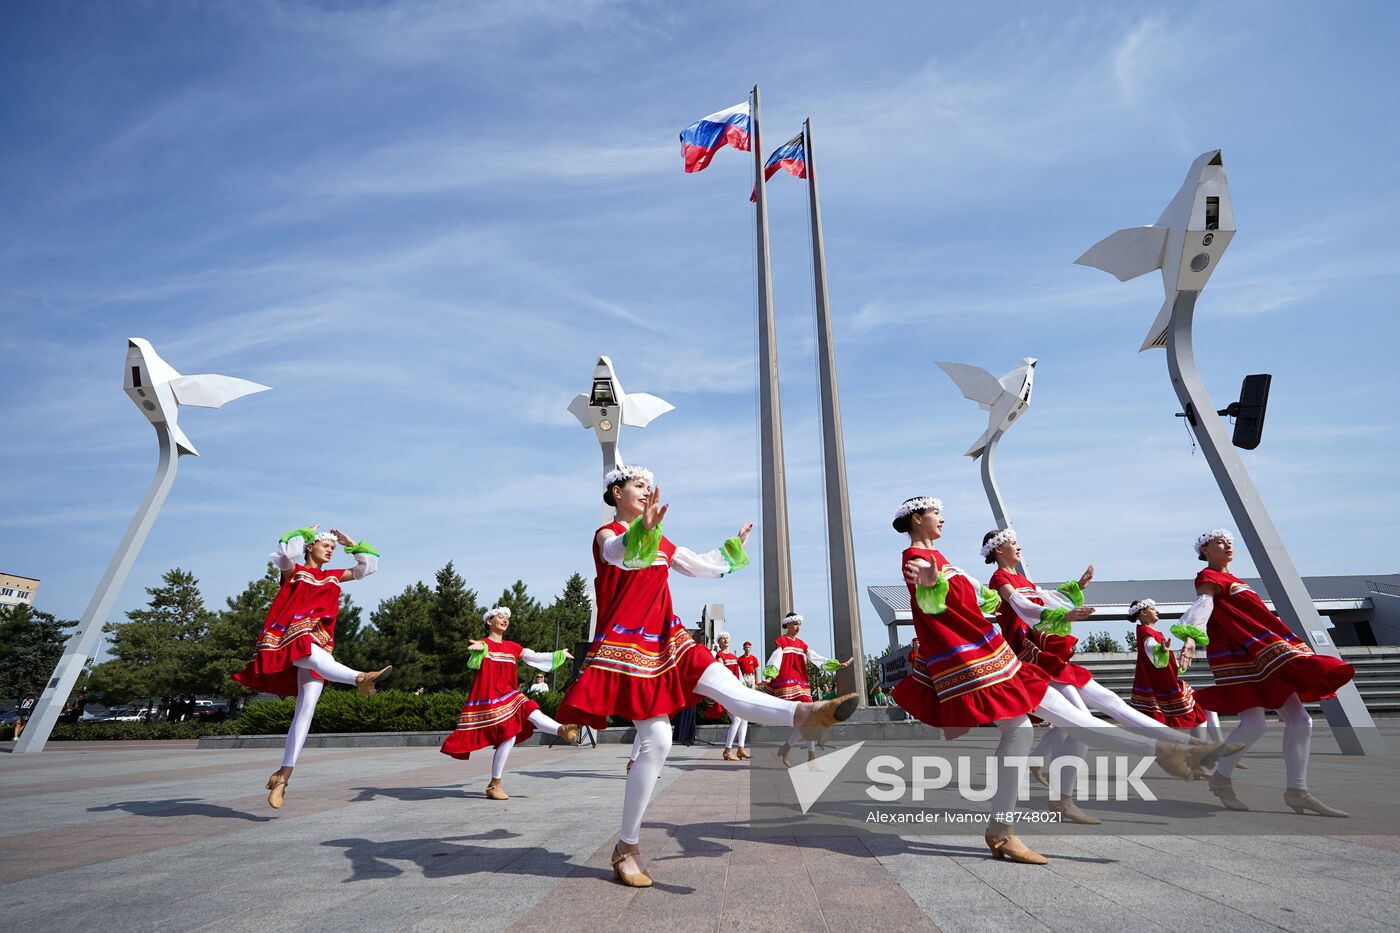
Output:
x,y
920,504
1209,536
1140,605
325,536
791,617
496,611
624,473
997,540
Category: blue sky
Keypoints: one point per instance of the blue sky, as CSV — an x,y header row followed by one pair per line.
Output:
x,y
420,223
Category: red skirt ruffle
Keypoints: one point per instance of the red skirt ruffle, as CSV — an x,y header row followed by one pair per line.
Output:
x,y
793,692
1016,696
1312,677
482,726
600,692
272,671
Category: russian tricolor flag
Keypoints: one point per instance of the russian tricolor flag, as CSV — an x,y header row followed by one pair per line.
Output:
x,y
791,157
703,138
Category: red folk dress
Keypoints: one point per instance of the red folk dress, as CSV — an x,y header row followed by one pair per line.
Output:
x,y
791,682
1160,692
303,614
963,673
643,663
731,664
495,709
1256,659
1050,653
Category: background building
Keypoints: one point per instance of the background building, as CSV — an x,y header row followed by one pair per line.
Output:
x,y
15,589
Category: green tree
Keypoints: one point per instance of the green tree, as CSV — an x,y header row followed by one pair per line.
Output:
x,y
571,615
157,651
456,621
1101,641
31,642
233,636
402,636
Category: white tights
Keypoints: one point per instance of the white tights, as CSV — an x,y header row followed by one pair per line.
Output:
x,y
1076,725
738,729
1297,740
308,693
502,754
1208,729
653,741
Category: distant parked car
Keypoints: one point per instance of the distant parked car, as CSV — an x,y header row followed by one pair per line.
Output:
x,y
125,714
209,711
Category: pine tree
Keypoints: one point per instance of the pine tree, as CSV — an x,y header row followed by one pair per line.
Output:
x,y
31,642
156,652
233,636
572,614
402,636
456,621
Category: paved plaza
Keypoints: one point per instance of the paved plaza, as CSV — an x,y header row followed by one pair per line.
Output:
x,y
163,836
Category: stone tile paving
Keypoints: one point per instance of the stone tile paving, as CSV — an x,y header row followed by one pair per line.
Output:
x,y
161,836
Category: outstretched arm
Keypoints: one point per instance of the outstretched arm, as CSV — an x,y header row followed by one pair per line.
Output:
x,y
291,549
544,660
725,559
366,557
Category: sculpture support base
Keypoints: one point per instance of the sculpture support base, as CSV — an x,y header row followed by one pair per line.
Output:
x,y
1347,715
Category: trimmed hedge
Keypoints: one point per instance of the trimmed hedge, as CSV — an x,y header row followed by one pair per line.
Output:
x,y
385,711
138,731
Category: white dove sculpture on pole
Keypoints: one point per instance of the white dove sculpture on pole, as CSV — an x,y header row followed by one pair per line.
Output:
x,y
1185,243
159,392
1004,400
606,408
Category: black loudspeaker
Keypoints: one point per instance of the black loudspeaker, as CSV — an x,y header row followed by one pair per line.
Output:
x,y
580,654
1249,417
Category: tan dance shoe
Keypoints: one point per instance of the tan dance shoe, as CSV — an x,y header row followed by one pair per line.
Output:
x,y
636,879
1010,847
495,791
277,789
1070,813
568,733
1300,801
783,754
365,682
812,719
1181,760
744,753
1224,788
729,755
1041,774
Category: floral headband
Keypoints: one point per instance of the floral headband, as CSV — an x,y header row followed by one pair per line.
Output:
x,y
1140,605
997,540
919,504
624,473
790,618
1212,535
496,611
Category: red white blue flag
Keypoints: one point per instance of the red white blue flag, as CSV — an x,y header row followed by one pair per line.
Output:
x,y
791,157
706,136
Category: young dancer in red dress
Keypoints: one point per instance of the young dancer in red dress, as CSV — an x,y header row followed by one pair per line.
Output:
x,y
738,728
496,713
964,674
785,677
643,664
294,650
1036,622
1259,664
1158,690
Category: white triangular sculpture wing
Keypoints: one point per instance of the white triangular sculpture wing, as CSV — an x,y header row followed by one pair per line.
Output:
x,y
209,390
640,408
976,384
579,409
1128,253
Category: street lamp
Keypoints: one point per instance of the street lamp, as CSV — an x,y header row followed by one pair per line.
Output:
x,y
1004,400
159,392
1186,243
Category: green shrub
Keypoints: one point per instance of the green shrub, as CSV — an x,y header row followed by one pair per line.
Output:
x,y
137,731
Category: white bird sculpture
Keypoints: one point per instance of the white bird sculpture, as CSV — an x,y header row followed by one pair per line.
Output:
x,y
159,391
1004,399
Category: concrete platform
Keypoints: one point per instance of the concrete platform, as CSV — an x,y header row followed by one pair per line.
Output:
x,y
164,836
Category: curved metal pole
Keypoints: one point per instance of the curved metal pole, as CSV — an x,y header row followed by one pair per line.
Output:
x,y
989,483
82,642
1347,715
